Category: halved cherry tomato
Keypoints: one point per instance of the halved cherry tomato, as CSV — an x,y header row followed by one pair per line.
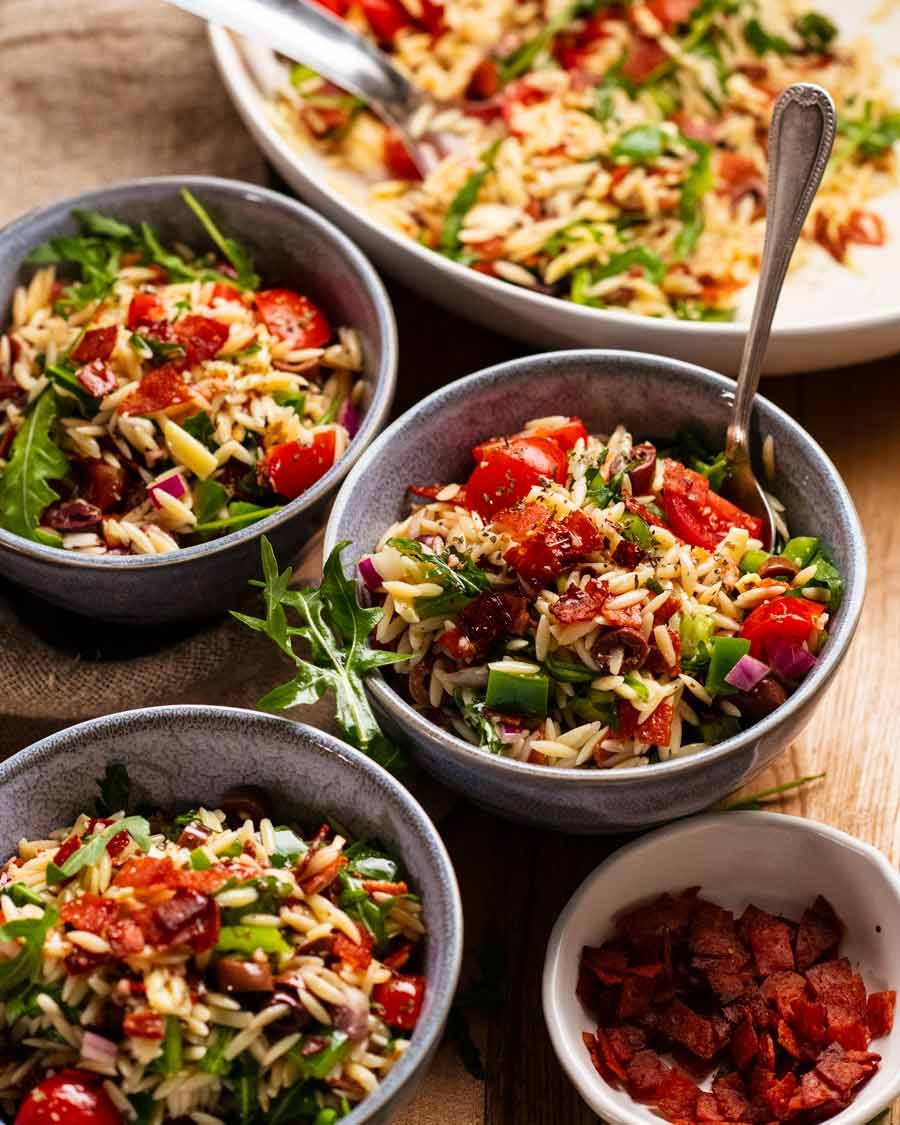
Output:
x,y
565,435
337,7
293,467
144,309
96,343
509,468
697,514
396,156
72,1097
401,998
781,619
201,337
159,390
224,294
293,318
643,57
655,731
386,18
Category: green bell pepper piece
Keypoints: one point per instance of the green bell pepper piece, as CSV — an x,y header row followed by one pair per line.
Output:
x,y
801,550
320,1064
598,707
567,671
753,561
695,629
170,1060
725,652
247,939
518,694
636,530
200,861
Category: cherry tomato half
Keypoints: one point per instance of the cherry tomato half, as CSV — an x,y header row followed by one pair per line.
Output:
x,y
509,468
781,619
72,1096
386,18
144,309
397,159
201,337
293,467
224,294
293,318
697,514
401,998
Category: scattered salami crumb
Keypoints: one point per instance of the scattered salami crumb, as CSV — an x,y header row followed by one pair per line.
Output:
x,y
762,1011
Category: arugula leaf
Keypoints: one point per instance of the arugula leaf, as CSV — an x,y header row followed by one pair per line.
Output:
x,y
688,448
816,31
91,851
25,966
641,144
209,499
104,226
465,578
760,41
115,790
177,268
201,428
869,136
697,183
63,375
296,1103
148,347
473,714
34,460
463,202
240,515
336,628
247,277
97,251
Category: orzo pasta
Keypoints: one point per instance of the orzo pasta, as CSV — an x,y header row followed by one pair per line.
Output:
x,y
164,397
589,601
613,154
213,968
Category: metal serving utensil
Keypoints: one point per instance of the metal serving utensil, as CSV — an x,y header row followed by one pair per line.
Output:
x,y
305,32
800,141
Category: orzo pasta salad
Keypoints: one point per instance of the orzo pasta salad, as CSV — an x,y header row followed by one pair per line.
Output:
x,y
156,397
613,154
592,601
212,968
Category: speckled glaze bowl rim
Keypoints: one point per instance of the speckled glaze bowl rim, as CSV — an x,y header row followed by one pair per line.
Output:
x,y
383,384
596,1094
428,1032
659,366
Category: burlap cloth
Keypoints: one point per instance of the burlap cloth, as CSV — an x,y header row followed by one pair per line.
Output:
x,y
91,92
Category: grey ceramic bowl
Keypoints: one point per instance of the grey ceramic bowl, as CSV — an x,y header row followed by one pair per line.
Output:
x,y
653,396
292,246
182,756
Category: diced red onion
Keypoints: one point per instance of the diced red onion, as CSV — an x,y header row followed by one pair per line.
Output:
x,y
94,1048
790,661
175,485
369,574
348,417
747,673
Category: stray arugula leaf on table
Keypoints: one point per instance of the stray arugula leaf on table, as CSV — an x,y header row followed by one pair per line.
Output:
x,y
755,801
34,460
336,629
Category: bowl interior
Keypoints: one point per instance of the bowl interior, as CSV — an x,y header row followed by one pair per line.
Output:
x,y
291,247
778,863
654,397
179,757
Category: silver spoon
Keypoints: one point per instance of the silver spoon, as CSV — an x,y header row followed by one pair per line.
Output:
x,y
800,141
305,32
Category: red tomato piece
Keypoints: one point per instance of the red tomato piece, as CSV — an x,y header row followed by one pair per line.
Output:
x,y
201,337
96,343
781,619
697,514
74,1097
145,1024
145,308
565,435
485,80
159,390
397,159
386,18
292,467
643,57
401,999
358,954
291,317
508,468
655,731
223,294
338,8
96,378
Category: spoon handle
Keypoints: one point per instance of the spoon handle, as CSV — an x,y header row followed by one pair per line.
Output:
x,y
800,141
303,31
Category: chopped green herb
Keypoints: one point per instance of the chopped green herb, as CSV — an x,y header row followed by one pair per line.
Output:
x,y
148,347
240,515
642,144
697,183
760,41
200,427
463,202
209,499
518,694
474,716
816,31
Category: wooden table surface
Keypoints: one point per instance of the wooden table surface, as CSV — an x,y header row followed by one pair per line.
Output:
x,y
516,880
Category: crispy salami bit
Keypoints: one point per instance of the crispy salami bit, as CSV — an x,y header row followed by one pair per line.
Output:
x,y
820,933
880,1013
770,939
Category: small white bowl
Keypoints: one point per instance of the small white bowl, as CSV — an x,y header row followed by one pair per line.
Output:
x,y
779,863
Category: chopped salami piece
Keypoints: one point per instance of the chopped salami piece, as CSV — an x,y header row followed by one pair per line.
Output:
x,y
880,1013
97,378
677,1097
766,1056
635,997
744,1044
814,1093
626,1041
646,1073
731,1097
708,1108
608,963
845,1070
581,603
788,1041
727,983
769,938
597,998
592,1042
612,1061
781,990
688,1029
713,934
820,933
843,994
810,1022
96,343
668,914
778,1094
